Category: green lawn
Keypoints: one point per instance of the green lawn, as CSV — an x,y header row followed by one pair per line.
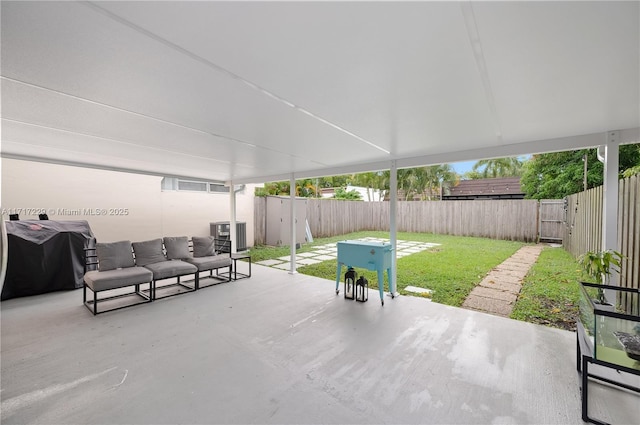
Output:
x,y
550,291
549,294
450,270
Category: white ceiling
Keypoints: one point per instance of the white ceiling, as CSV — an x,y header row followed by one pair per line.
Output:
x,y
255,91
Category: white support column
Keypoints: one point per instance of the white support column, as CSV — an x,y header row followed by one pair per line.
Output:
x,y
292,211
610,198
393,199
232,217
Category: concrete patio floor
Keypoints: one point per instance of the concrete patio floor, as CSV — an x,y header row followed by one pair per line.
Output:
x,y
282,348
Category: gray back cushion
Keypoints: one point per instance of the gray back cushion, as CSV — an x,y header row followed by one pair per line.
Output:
x,y
148,252
177,247
203,246
114,255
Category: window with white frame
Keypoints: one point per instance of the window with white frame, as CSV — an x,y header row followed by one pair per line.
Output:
x,y
173,183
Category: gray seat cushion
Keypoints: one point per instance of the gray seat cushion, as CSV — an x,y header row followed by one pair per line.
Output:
x,y
171,268
177,247
112,279
148,252
211,262
114,255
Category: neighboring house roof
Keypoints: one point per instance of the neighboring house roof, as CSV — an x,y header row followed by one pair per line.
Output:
x,y
498,188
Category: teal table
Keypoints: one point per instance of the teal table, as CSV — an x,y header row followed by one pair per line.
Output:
x,y
369,255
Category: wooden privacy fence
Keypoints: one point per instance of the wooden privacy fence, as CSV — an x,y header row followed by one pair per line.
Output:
x,y
583,226
259,220
497,219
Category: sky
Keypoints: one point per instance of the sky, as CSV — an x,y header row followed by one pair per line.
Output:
x,y
463,167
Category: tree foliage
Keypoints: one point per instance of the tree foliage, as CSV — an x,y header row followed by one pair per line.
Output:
x,y
497,167
377,181
472,175
419,182
342,193
424,182
306,188
632,171
558,174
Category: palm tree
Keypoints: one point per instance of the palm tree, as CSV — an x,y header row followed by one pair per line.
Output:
x,y
373,181
424,181
438,175
406,182
499,167
366,180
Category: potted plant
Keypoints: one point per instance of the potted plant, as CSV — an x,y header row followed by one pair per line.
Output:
x,y
599,265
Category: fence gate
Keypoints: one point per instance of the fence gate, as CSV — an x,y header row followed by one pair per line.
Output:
x,y
550,227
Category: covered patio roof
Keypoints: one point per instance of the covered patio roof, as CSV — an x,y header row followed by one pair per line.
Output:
x,y
258,91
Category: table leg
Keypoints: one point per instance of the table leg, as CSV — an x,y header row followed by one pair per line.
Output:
x,y
381,285
235,268
392,284
338,278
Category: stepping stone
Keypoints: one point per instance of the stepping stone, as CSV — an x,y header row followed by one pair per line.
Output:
x,y
501,285
307,254
418,290
307,261
482,291
496,275
512,265
414,250
285,258
325,257
519,274
322,251
283,266
269,262
488,305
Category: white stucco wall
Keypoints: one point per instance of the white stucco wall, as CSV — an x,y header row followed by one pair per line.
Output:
x,y
136,207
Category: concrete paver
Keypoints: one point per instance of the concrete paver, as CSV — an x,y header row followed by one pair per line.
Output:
x,y
500,285
498,291
495,277
325,257
488,305
308,261
508,296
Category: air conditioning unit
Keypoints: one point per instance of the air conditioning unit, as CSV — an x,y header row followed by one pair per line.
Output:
x,y
221,230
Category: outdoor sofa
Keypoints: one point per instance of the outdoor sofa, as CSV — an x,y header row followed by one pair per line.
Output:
x,y
123,264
